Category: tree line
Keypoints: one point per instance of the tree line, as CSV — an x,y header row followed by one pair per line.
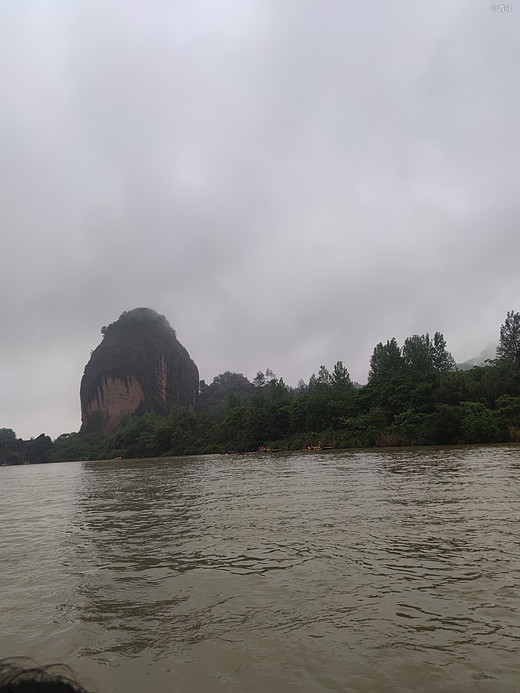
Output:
x,y
414,396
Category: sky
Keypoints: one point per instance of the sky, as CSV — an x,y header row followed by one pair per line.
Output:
x,y
289,182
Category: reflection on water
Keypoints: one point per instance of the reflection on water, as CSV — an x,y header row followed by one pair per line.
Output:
x,y
364,571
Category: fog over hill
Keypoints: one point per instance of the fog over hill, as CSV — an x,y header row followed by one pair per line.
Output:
x,y
487,354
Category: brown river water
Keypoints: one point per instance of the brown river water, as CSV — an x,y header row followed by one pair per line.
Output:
x,y
385,570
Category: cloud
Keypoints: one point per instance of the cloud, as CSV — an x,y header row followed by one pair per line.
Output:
x,y
289,183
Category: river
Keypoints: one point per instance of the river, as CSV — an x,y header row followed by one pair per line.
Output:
x,y
383,570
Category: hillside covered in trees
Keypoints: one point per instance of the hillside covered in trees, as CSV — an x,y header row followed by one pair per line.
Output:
x,y
414,396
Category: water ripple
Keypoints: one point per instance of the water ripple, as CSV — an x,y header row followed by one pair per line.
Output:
x,y
366,571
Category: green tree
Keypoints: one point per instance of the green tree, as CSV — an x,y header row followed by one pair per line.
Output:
x,y
317,400
443,425
212,398
509,346
73,446
40,449
269,375
386,360
442,360
507,416
321,381
7,435
417,354
478,424
340,378
364,429
297,413
423,355
259,379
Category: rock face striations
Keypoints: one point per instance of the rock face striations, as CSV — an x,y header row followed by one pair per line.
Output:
x,y
139,367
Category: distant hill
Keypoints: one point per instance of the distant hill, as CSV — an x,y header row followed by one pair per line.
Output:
x,y
488,353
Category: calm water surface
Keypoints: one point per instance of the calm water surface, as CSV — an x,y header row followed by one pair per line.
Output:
x,y
335,571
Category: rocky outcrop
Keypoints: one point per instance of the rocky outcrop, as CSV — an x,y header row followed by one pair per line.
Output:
x,y
139,367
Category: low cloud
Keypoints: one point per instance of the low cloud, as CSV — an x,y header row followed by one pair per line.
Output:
x,y
288,183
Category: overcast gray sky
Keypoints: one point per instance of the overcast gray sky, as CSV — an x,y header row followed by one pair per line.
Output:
x,y
288,181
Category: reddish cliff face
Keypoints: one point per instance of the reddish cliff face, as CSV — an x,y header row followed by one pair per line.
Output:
x,y
139,367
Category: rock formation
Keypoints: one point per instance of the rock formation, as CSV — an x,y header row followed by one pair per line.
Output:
x,y
139,367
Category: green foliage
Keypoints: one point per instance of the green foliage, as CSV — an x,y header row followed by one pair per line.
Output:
x,y
364,430
417,354
407,427
442,426
340,380
442,360
138,436
73,446
259,380
39,450
423,355
414,396
391,394
385,362
212,398
12,449
455,387
507,417
509,346
478,424
7,435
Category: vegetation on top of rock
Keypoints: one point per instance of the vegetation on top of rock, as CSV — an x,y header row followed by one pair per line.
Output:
x,y
139,317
